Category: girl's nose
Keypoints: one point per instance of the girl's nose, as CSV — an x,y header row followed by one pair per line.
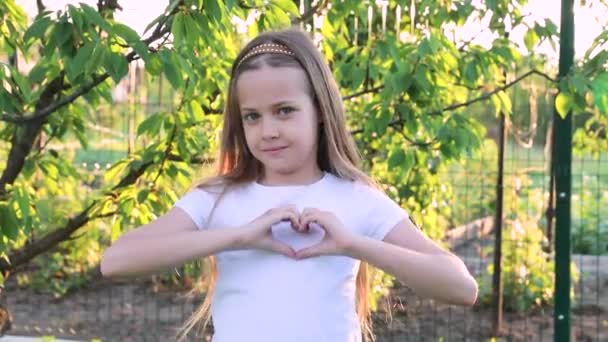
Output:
x,y
270,129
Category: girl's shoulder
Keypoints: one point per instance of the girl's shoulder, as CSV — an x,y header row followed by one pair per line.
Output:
x,y
355,190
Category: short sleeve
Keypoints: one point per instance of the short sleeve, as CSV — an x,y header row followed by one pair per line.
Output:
x,y
197,203
384,214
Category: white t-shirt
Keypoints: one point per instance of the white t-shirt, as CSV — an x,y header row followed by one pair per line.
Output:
x,y
262,296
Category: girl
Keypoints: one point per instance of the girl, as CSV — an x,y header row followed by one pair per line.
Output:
x,y
290,217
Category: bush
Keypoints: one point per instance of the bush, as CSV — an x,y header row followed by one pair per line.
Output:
x,y
589,231
528,270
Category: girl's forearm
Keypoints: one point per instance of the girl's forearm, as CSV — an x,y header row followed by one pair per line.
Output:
x,y
145,255
440,276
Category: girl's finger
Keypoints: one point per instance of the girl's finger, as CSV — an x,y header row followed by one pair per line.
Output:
x,y
293,218
282,248
312,251
286,214
304,218
310,215
306,221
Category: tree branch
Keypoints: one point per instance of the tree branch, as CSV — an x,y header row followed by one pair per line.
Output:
x,y
363,92
47,110
31,250
48,241
24,136
166,156
475,100
243,5
311,12
197,160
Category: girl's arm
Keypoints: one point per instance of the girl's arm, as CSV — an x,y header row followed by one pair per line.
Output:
x,y
169,241
173,239
419,263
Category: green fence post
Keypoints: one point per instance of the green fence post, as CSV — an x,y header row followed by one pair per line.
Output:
x,y
562,159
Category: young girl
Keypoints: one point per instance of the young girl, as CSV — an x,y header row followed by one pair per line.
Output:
x,y
290,217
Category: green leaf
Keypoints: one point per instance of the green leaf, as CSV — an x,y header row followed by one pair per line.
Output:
x,y
288,6
8,220
579,82
49,169
94,17
182,146
213,10
230,4
142,195
177,29
82,57
196,111
279,19
172,170
116,230
599,87
64,32
563,104
550,27
151,125
29,167
422,76
83,138
125,32
114,171
396,157
505,101
530,39
496,104
171,70
154,65
39,71
358,75
470,72
23,83
77,18
117,66
37,30
23,201
141,49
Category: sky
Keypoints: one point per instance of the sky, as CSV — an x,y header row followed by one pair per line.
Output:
x,y
588,23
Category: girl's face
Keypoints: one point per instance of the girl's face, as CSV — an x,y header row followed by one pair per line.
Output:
x,y
280,121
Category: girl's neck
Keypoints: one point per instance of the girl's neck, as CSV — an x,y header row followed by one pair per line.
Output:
x,y
293,179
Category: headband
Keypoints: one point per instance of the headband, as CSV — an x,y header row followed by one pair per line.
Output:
x,y
266,48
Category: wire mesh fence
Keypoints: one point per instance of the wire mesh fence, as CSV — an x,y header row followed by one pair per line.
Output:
x,y
151,309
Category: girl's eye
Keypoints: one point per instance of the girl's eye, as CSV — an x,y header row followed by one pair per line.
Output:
x,y
250,116
286,110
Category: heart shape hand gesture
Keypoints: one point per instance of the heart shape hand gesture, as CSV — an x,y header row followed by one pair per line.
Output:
x,y
298,235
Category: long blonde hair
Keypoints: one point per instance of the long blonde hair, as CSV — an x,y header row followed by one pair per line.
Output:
x,y
337,152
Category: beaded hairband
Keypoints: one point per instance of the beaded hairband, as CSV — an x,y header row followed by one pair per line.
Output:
x,y
267,48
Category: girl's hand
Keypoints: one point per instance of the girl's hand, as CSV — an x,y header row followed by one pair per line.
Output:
x,y
337,237
257,234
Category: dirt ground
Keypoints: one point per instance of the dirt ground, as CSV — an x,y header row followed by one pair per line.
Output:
x,y
114,311
138,311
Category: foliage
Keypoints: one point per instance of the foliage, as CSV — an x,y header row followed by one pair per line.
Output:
x,y
589,230
407,90
473,182
528,270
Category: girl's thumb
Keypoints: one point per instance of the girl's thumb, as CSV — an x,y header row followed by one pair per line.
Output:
x,y
284,249
308,252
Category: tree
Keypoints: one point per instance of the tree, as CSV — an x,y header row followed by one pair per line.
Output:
x,y
408,88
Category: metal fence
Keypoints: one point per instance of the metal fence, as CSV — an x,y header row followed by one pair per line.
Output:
x,y
516,171
508,179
